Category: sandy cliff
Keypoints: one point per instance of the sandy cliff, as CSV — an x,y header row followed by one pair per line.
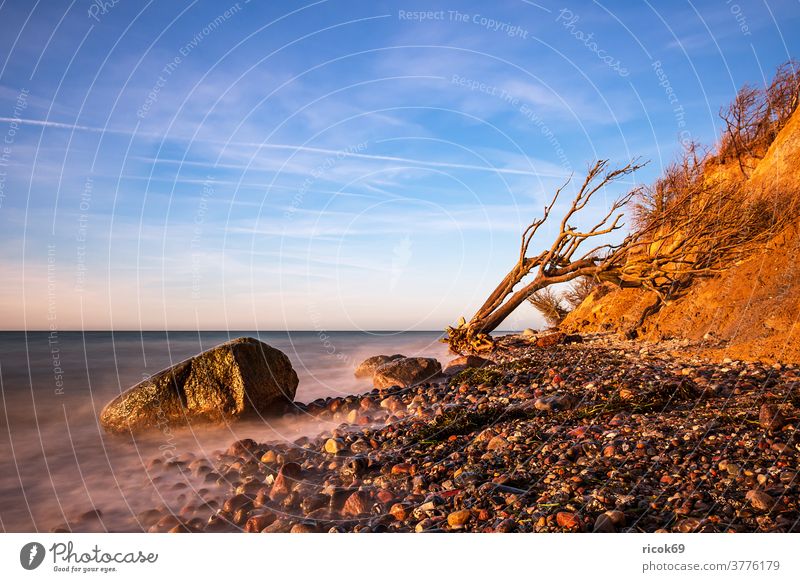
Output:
x,y
752,310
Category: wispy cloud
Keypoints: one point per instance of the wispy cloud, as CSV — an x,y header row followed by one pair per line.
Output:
x,y
278,147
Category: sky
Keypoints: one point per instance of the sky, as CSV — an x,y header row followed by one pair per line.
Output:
x,y
331,165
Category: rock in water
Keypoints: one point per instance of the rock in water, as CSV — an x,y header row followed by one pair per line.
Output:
x,y
406,372
367,368
240,377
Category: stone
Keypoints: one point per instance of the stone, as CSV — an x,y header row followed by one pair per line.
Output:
x,y
770,417
279,525
567,520
237,502
760,500
458,519
616,516
553,402
603,524
360,446
506,526
626,393
688,525
148,517
392,404
311,502
242,448
91,515
288,476
400,511
460,364
401,469
367,368
333,446
550,340
257,523
242,377
338,497
353,468
357,504
497,443
528,332
406,372
165,524
385,496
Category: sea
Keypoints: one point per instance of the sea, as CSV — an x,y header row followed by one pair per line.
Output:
x,y
58,468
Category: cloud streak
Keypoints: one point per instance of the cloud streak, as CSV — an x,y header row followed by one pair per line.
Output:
x,y
280,147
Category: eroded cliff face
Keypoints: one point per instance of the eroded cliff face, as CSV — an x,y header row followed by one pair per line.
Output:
x,y
752,310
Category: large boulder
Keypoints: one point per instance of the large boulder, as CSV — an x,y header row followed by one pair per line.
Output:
x,y
241,377
366,369
406,372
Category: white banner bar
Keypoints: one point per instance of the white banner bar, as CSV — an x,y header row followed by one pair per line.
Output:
x,y
400,557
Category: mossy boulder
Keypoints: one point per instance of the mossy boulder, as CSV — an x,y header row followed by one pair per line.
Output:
x,y
238,378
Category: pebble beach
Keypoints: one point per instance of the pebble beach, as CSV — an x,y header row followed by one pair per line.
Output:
x,y
599,435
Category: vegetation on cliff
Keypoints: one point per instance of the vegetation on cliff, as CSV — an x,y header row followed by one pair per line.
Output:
x,y
710,212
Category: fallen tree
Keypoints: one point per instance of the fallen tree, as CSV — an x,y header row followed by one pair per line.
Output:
x,y
686,227
563,261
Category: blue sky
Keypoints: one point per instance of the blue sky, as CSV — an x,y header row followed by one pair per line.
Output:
x,y
334,164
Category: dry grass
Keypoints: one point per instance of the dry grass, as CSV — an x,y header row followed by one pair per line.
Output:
x,y
549,304
756,116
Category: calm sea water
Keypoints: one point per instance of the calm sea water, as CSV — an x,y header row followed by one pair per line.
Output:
x,y
57,463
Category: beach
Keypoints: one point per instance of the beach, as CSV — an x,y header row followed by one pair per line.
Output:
x,y
597,434
57,462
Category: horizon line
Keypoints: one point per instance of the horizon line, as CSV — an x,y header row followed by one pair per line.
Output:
x,y
238,330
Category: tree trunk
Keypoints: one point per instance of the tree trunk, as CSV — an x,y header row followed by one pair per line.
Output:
x,y
553,265
487,323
